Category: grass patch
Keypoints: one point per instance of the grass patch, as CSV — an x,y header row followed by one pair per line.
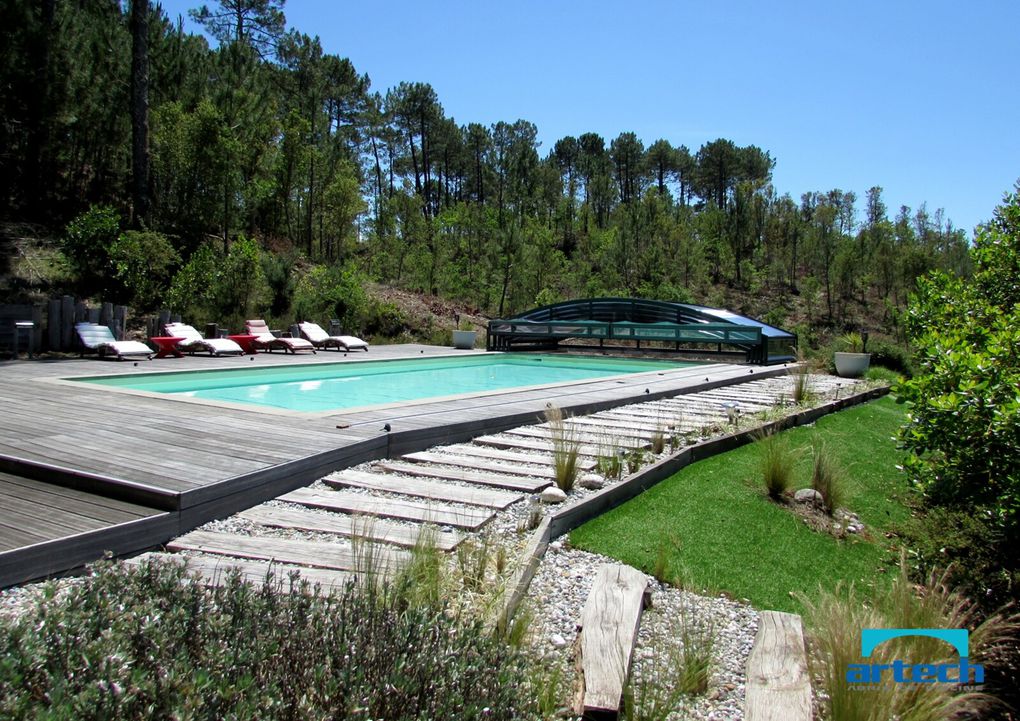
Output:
x,y
733,540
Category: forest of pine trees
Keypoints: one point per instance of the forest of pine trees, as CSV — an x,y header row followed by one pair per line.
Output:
x,y
141,145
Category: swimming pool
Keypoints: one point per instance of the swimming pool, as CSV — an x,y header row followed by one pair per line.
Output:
x,y
337,386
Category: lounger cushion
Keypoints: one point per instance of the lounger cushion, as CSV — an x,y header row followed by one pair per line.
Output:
x,y
319,337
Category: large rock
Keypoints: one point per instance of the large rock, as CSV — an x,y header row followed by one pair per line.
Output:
x,y
592,482
808,495
552,494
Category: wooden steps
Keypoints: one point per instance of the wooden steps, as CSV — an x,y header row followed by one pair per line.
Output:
x,y
373,529
441,514
416,487
287,550
778,687
609,628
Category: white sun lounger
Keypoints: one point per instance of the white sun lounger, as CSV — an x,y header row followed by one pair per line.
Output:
x,y
99,338
194,342
321,339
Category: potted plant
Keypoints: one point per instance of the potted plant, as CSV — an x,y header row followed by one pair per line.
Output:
x,y
852,362
464,336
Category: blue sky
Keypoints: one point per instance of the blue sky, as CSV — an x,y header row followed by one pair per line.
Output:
x,y
919,98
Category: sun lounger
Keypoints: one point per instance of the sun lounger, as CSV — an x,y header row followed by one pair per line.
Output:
x,y
321,339
194,342
99,338
265,340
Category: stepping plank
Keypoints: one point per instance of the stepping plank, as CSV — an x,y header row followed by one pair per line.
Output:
x,y
470,519
778,687
373,529
527,484
530,444
545,433
423,489
609,628
284,550
215,570
534,458
545,470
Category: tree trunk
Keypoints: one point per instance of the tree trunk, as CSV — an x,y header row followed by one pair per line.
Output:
x,y
140,111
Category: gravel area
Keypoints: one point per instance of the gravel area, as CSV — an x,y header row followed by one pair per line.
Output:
x,y
557,597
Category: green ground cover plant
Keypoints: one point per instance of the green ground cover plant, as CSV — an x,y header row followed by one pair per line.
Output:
x,y
140,644
733,539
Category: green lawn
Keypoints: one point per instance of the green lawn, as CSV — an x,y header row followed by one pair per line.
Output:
x,y
723,534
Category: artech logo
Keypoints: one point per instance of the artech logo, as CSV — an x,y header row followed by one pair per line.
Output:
x,y
900,671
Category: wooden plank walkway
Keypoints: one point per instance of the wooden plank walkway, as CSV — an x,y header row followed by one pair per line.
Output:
x,y
373,529
216,570
513,482
441,492
609,627
441,514
293,551
778,687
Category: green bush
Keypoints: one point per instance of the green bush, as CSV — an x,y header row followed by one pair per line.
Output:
x,y
143,262
964,429
327,292
86,244
892,356
142,644
192,292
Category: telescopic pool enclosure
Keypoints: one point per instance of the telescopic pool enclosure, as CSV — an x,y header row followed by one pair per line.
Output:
x,y
673,326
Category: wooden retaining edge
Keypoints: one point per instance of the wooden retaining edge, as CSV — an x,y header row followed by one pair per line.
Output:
x,y
574,515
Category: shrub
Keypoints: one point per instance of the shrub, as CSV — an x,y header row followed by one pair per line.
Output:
x,y
143,264
193,290
86,245
141,644
327,292
892,356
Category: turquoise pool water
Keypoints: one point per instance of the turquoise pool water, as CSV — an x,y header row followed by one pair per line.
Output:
x,y
335,386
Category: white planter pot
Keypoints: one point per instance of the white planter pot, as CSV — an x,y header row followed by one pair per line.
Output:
x,y
852,365
464,339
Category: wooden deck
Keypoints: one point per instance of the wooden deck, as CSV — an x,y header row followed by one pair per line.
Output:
x,y
92,457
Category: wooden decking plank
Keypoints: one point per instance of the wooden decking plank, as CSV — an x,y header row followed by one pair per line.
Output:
x,y
526,484
89,504
215,570
44,453
467,518
13,535
609,627
284,550
778,686
42,519
374,529
443,492
178,456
